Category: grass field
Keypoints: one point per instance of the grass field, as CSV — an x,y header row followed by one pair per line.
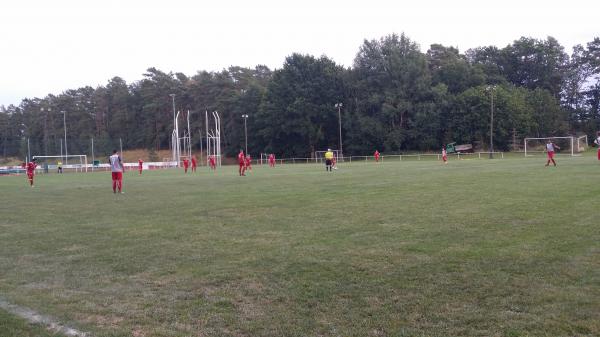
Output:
x,y
11,326
413,248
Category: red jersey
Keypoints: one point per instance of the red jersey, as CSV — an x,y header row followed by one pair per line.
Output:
x,y
186,163
194,162
31,167
140,162
248,161
241,158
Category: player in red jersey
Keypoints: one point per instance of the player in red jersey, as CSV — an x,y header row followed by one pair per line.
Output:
x,y
550,146
186,164
30,167
248,162
242,163
212,162
194,163
140,165
444,155
376,154
272,160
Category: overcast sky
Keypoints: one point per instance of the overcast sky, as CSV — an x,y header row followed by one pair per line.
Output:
x,y
48,46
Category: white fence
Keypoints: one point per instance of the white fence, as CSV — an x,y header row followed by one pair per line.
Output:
x,y
393,157
172,164
90,167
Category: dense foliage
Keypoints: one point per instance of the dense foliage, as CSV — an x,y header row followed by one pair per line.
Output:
x,y
395,98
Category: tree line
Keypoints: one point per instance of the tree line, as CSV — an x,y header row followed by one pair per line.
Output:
x,y
394,97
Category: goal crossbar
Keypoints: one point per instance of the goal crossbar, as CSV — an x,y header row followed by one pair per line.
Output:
x,y
571,138
83,163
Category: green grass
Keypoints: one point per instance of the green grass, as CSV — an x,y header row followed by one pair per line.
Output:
x,y
413,248
11,326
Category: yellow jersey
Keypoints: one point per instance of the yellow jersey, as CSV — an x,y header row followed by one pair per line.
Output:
x,y
329,155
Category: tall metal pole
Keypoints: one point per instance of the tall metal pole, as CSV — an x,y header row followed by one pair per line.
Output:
x,y
121,146
173,148
65,127
189,132
339,107
207,139
93,158
28,151
173,97
492,124
201,147
245,117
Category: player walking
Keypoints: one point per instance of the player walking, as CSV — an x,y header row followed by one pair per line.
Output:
x,y
597,142
444,155
194,163
212,162
550,147
249,163
376,155
30,169
242,163
328,160
272,160
116,167
186,164
140,165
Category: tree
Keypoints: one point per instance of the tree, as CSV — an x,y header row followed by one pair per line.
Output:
x,y
298,116
393,82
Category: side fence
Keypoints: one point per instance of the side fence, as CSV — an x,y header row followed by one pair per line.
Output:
x,y
7,170
393,157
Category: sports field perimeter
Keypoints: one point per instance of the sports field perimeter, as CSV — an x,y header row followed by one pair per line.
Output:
x,y
503,247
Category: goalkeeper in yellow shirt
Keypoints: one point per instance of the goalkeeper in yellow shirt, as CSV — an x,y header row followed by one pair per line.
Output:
x,y
328,160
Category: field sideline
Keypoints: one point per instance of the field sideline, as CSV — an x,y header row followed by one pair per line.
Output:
x,y
413,248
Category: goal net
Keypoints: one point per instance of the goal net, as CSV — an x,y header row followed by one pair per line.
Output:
x,y
320,156
73,163
570,145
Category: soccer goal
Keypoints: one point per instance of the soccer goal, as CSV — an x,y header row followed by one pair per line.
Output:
x,y
320,156
77,163
570,145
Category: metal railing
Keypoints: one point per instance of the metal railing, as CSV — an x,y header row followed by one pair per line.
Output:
x,y
398,157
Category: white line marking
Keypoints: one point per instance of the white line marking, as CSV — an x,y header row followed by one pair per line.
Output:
x,y
35,318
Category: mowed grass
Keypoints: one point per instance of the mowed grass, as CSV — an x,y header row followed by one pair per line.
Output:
x,y
413,248
12,326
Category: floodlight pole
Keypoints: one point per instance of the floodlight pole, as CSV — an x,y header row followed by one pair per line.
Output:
x,y
65,127
491,89
339,107
245,117
93,158
173,98
173,145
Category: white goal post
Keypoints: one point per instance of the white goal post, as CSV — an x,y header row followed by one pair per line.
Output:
x,y
574,145
79,162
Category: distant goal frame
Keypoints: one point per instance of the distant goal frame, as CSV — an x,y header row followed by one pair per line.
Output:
x,y
82,166
574,140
